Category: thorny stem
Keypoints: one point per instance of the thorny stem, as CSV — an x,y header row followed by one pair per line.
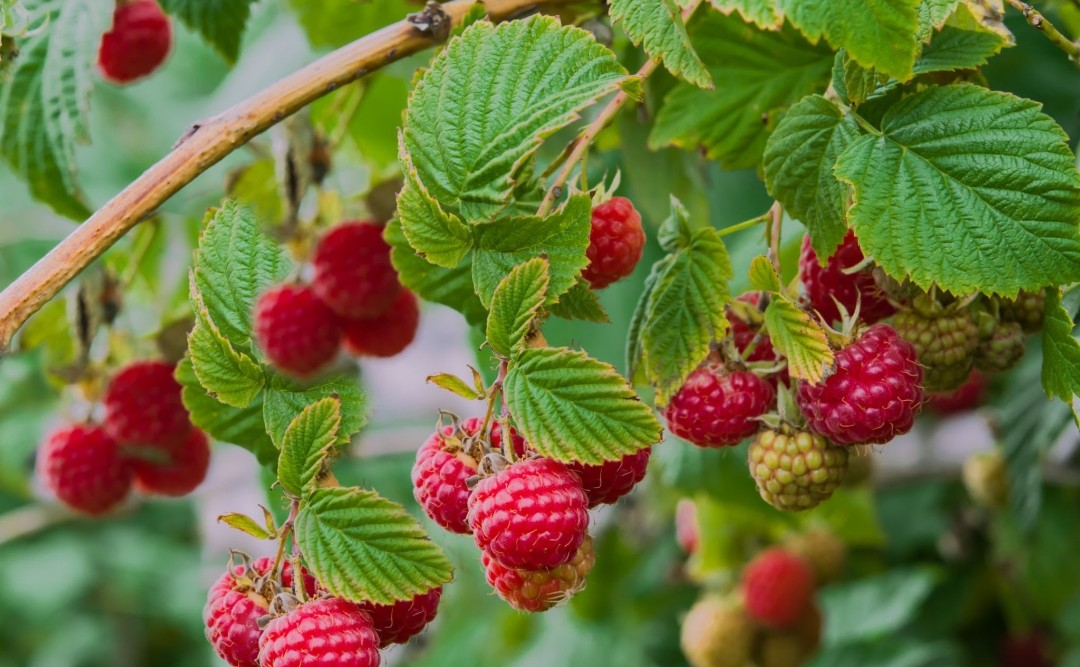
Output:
x,y
776,215
1056,37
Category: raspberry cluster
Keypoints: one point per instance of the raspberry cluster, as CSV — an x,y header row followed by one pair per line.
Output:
x,y
355,301
147,441
137,43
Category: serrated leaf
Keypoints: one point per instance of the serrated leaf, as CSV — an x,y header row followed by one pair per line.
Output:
x,y
228,375
928,183
363,547
571,407
450,287
657,26
961,44
440,237
799,338
637,321
244,523
763,275
1061,351
45,98
515,304
854,83
561,238
762,13
580,302
675,232
220,22
285,399
933,14
799,160
454,384
760,72
308,441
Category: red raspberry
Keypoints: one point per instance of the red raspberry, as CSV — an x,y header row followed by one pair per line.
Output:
x,y
686,529
532,515
397,623
717,408
606,483
138,42
85,469
778,588
387,333
327,632
440,473
967,396
177,470
822,283
615,242
872,396
295,330
353,273
143,406
234,605
540,590
1031,649
743,332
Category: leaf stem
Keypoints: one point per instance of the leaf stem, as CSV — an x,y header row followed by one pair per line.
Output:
x,y
746,224
776,215
1041,23
493,393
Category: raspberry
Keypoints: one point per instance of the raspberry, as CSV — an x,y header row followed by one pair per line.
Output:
x,y
944,343
85,468
796,471
716,633
1031,649
986,477
540,590
387,333
143,406
790,648
717,408
606,483
138,42
397,623
327,632
686,529
778,588
353,273
823,551
743,332
872,396
1002,350
440,473
1027,309
179,468
234,605
295,330
531,515
823,283
967,396
615,242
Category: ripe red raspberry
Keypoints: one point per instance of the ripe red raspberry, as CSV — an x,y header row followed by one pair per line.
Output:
x,y
84,468
1002,350
778,588
615,242
397,623
326,632
439,475
606,483
138,42
872,396
823,283
718,408
387,333
944,340
796,471
743,332
1031,649
176,470
540,590
531,515
1027,309
295,330
967,396
234,605
353,273
143,406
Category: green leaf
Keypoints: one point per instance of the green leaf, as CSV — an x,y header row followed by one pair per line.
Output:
x,y
1061,351
637,321
880,34
285,399
562,238
657,26
763,13
874,606
440,237
799,160
580,302
337,22
933,14
515,304
245,524
220,22
675,232
799,338
454,384
308,441
854,83
363,547
450,287
229,376
968,188
763,275
571,407
489,99
45,98
760,72
962,44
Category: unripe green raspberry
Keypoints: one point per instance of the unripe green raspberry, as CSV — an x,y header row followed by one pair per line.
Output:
x,y
1026,309
796,471
986,478
781,649
717,633
825,552
944,343
1002,350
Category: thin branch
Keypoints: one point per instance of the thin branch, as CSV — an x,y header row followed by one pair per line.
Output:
x,y
209,141
776,221
1041,23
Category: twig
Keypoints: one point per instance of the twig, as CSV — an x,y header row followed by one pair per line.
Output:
x,y
776,215
1040,22
30,519
209,141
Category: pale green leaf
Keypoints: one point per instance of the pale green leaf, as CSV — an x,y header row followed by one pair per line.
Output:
x,y
580,302
758,73
854,83
285,399
675,232
933,14
220,22
244,523
638,319
1061,351
763,13
763,275
308,441
800,338
799,160
969,189
657,26
489,99
228,375
515,304
439,237
454,384
363,547
961,44
571,407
